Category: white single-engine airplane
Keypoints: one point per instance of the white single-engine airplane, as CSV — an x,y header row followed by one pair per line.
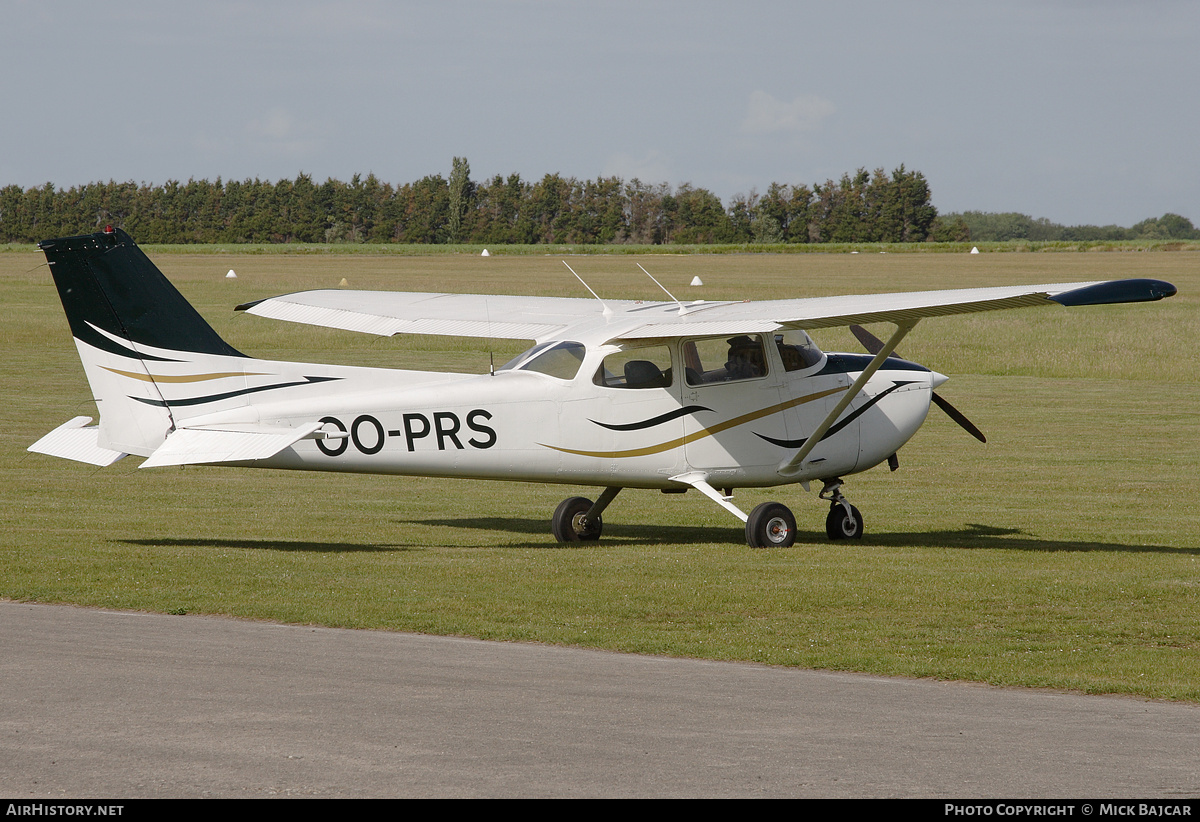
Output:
x,y
614,394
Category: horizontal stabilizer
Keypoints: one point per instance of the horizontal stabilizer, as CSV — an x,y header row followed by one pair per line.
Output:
x,y
226,443
73,441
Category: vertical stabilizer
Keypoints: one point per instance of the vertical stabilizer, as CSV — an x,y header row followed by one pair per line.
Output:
x,y
129,324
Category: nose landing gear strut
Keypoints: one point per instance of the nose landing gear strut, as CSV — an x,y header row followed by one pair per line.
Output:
x,y
844,520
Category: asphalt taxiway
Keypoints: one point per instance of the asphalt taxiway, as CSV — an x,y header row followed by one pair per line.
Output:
x,y
116,704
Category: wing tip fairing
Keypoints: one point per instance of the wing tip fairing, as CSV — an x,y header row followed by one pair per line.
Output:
x,y
1117,291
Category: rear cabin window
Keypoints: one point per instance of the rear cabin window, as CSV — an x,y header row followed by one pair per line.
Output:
x,y
724,359
648,367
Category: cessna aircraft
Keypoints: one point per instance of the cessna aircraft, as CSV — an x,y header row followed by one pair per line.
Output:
x,y
615,394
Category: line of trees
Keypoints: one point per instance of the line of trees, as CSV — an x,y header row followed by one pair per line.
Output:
x,y
1007,226
861,207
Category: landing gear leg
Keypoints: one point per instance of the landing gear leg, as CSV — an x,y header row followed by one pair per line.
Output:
x,y
844,520
578,519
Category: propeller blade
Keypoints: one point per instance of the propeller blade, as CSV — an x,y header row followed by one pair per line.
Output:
x,y
874,345
956,415
869,341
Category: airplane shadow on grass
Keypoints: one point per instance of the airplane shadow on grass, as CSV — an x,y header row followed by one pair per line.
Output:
x,y
973,536
266,545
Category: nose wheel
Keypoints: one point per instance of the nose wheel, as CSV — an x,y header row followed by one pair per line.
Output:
x,y
844,520
843,524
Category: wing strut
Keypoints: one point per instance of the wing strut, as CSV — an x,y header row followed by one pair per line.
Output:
x,y
792,465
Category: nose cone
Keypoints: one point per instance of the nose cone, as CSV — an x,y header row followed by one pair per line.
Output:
x,y
937,380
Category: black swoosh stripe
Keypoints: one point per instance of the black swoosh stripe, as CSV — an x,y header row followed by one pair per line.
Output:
x,y
653,421
833,429
243,392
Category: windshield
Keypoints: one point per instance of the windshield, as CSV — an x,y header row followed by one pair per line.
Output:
x,y
797,350
555,359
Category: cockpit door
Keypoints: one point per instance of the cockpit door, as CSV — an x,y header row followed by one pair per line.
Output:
x,y
631,419
730,392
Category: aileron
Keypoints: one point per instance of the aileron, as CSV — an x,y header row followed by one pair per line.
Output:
x,y
463,315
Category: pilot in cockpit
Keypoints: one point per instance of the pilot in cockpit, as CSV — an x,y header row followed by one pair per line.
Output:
x,y
745,359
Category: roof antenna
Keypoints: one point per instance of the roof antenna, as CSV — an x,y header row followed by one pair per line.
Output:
x,y
607,311
682,309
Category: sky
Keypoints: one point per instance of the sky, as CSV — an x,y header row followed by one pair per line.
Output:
x,y
1080,112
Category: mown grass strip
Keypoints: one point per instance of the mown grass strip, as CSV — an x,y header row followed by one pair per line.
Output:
x,y
1065,553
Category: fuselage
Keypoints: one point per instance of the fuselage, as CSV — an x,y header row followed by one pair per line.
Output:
x,y
576,420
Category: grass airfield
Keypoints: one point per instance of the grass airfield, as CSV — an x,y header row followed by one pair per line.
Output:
x,y
1064,553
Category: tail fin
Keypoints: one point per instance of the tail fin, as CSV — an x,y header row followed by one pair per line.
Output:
x,y
109,288
125,317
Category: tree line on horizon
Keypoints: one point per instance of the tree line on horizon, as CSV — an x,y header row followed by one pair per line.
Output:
x,y
863,207
1009,226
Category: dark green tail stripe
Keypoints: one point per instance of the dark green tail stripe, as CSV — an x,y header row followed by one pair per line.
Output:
x,y
104,280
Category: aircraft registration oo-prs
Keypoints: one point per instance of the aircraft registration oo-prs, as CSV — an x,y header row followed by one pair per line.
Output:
x,y
615,394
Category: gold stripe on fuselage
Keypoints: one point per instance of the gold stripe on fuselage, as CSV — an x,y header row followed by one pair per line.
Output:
x,y
708,431
182,377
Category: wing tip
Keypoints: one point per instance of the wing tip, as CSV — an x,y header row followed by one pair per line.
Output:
x,y
1117,291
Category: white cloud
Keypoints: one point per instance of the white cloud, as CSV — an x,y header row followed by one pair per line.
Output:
x,y
277,130
276,124
767,115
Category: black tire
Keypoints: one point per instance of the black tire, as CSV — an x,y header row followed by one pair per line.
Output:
x,y
771,525
840,526
568,524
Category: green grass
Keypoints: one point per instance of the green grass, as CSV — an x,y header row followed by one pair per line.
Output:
x,y
1065,553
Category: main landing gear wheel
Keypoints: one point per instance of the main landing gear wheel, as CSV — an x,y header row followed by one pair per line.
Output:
x,y
842,525
571,523
771,525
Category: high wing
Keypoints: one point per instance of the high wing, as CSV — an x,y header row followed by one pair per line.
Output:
x,y
404,312
541,318
902,307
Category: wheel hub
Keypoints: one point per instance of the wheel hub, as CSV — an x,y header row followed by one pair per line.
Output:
x,y
778,530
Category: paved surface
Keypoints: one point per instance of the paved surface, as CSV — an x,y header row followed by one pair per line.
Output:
x,y
122,705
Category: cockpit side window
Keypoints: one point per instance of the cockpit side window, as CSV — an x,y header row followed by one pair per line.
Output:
x,y
648,367
555,359
724,359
